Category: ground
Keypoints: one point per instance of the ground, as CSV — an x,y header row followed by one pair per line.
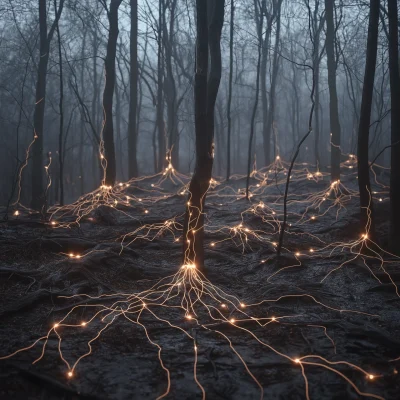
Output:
x,y
264,319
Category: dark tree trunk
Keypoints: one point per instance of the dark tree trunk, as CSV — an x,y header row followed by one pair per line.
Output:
x,y
61,132
395,126
94,111
37,199
133,89
254,113
228,154
333,99
108,94
210,18
275,68
365,117
160,97
170,87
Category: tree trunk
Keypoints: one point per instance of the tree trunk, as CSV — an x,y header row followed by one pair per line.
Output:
x,y
395,126
37,199
108,94
228,154
133,89
37,147
170,87
61,132
210,18
367,216
333,99
253,115
275,68
160,97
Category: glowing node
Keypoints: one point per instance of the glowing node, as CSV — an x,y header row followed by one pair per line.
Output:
x,y
213,244
242,305
277,157
16,213
313,217
371,377
311,250
70,374
101,156
53,223
232,320
83,323
71,255
152,185
140,199
297,254
56,326
78,256
380,199
189,316
273,319
297,360
223,305
146,211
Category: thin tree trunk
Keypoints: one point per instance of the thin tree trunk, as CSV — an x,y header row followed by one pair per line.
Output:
x,y
160,97
254,113
367,215
228,154
61,132
133,89
37,198
333,99
275,68
108,94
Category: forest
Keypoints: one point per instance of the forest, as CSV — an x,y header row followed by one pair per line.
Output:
x,y
200,199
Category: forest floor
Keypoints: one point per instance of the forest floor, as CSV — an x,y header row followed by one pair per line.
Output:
x,y
302,313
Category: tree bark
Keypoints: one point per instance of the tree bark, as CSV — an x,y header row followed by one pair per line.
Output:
x,y
367,215
210,18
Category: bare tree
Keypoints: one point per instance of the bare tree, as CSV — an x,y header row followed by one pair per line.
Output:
x,y
333,98
210,18
108,94
133,89
260,20
229,106
38,118
367,216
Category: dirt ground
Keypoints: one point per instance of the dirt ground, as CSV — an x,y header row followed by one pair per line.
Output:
x,y
35,270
